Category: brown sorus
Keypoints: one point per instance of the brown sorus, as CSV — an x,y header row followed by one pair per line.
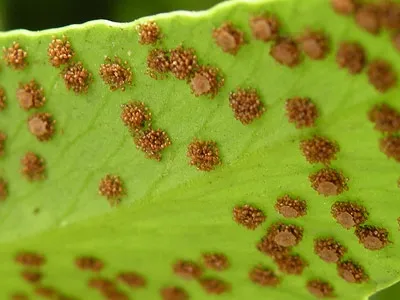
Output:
x,y
204,155
149,32
3,138
328,182
215,261
390,15
158,62
111,186
207,80
31,276
349,214
291,208
248,216
152,142
286,52
132,279
30,259
291,264
246,105
114,294
285,235
100,283
89,263
2,99
33,166
3,189
30,95
390,146
329,250
41,125
76,77
314,44
15,56
228,38
19,296
173,293
183,62
60,51
115,73
319,150
344,7
263,276
320,288
268,246
351,272
385,117
396,41
367,17
136,115
46,292
381,75
351,56
373,238
264,28
301,111
187,269
214,285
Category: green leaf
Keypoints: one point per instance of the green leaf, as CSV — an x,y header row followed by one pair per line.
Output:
x,y
172,210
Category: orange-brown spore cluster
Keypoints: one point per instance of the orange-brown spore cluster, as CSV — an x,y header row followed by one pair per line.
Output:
x,y
314,44
3,138
136,115
183,62
291,264
111,187
30,95
41,125
329,250
33,166
116,73
385,117
15,56
228,38
207,80
264,27
30,259
3,189
264,276
216,261
349,214
214,285
301,111
390,146
381,75
149,33
246,105
351,272
328,182
152,142
3,99
76,77
248,216
285,235
187,269
319,150
373,238
174,293
286,52
158,63
291,208
351,56
320,288
204,155
132,279
89,263
60,51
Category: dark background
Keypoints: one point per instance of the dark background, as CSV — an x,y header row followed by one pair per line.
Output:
x,y
44,14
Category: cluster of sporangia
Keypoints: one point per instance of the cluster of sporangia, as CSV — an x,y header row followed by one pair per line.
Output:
x,y
33,272
205,80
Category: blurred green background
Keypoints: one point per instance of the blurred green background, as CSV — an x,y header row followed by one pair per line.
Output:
x,y
44,14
